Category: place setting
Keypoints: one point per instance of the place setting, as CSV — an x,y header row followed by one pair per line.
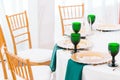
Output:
x,y
97,58
91,57
66,42
87,57
107,27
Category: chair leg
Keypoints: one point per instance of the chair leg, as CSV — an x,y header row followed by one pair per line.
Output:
x,y
4,67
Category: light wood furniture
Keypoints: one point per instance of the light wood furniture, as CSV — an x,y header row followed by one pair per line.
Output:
x,y
69,14
2,44
21,69
20,33
16,23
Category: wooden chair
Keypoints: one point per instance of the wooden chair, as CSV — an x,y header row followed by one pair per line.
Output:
x,y
19,29
2,44
21,69
69,14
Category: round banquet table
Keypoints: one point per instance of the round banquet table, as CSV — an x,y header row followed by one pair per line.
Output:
x,y
100,42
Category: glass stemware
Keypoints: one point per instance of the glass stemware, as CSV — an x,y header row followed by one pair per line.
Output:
x,y
91,20
75,39
113,50
76,26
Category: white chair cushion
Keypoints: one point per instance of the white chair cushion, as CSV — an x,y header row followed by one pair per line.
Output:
x,y
36,55
41,72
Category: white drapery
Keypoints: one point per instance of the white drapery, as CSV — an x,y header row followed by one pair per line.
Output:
x,y
119,11
106,11
41,24
41,14
9,7
13,6
46,23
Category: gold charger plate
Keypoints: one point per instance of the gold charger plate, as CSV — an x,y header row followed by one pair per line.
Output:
x,y
91,57
66,43
108,27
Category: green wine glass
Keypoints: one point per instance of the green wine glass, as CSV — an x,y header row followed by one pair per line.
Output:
x,y
113,48
91,20
76,26
75,39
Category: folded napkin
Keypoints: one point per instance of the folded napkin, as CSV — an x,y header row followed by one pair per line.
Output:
x,y
74,70
53,59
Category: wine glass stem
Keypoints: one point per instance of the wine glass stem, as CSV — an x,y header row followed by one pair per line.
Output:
x,y
113,60
75,48
90,26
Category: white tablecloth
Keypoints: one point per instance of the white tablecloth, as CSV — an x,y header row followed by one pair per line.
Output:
x,y
100,42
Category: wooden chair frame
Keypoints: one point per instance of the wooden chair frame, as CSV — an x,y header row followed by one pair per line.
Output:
x,y
3,44
66,13
19,66
17,22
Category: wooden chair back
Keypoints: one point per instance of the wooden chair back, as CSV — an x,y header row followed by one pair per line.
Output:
x,y
19,29
19,67
71,13
2,44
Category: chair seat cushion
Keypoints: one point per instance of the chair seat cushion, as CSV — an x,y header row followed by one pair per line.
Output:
x,y
36,55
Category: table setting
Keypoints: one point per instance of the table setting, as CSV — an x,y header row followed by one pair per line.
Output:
x,y
74,57
77,61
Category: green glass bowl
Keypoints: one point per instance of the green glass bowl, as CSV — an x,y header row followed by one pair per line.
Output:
x,y
75,38
91,18
76,26
113,48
